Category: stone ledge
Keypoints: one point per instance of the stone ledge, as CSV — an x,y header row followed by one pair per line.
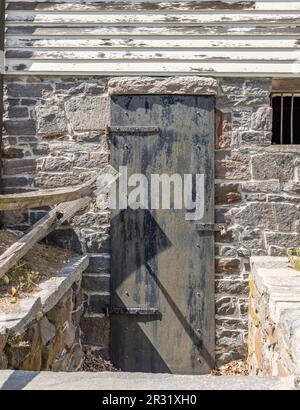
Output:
x,y
52,291
278,285
18,380
172,85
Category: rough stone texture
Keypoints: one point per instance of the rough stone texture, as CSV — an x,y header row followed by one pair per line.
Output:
x,y
50,341
67,118
90,113
171,85
257,188
51,119
274,318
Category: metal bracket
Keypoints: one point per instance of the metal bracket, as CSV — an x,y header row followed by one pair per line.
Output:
x,y
133,130
141,311
202,227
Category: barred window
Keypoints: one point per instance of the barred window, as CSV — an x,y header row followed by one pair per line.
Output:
x,y
286,118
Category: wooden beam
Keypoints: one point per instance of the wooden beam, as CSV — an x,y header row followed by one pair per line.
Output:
x,y
57,216
36,199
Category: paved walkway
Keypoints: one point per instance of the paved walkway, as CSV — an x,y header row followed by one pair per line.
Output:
x,y
17,380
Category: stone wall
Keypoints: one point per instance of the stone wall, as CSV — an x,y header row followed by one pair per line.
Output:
x,y
51,341
274,318
55,136
257,195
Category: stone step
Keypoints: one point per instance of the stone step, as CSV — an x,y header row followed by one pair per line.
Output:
x,y
23,380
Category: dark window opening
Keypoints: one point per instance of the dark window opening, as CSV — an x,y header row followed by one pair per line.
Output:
x,y
286,119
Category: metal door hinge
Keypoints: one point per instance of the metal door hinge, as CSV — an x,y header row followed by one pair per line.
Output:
x,y
132,130
141,311
202,227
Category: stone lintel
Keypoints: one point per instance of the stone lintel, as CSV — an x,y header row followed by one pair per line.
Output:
x,y
189,85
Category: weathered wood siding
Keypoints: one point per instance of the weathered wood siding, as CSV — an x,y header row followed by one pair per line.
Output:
x,y
250,38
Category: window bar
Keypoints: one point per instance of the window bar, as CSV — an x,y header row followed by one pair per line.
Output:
x,y
292,118
281,120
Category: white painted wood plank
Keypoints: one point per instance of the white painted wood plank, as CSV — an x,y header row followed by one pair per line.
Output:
x,y
153,18
63,5
28,30
109,67
152,43
136,54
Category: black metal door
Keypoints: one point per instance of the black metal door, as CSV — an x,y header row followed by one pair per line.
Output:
x,y
162,313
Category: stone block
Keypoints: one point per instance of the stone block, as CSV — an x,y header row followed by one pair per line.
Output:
x,y
17,112
57,164
56,180
251,238
93,137
286,216
237,287
226,306
88,113
51,119
69,334
232,165
273,166
98,303
261,186
47,330
19,166
227,193
61,313
240,86
172,85
96,282
16,89
12,152
228,251
20,127
96,242
223,129
262,119
241,119
252,138
95,331
229,323
284,240
227,265
258,215
91,220
228,100
228,237
53,350
77,315
99,263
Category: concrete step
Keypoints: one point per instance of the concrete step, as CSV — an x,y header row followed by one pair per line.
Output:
x,y
24,380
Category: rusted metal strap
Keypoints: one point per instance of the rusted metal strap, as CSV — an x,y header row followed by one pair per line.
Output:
x,y
209,227
133,130
141,311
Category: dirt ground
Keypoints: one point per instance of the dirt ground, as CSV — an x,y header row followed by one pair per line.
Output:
x,y
237,368
94,363
39,264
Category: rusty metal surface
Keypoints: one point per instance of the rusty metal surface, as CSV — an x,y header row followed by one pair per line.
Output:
x,y
159,259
